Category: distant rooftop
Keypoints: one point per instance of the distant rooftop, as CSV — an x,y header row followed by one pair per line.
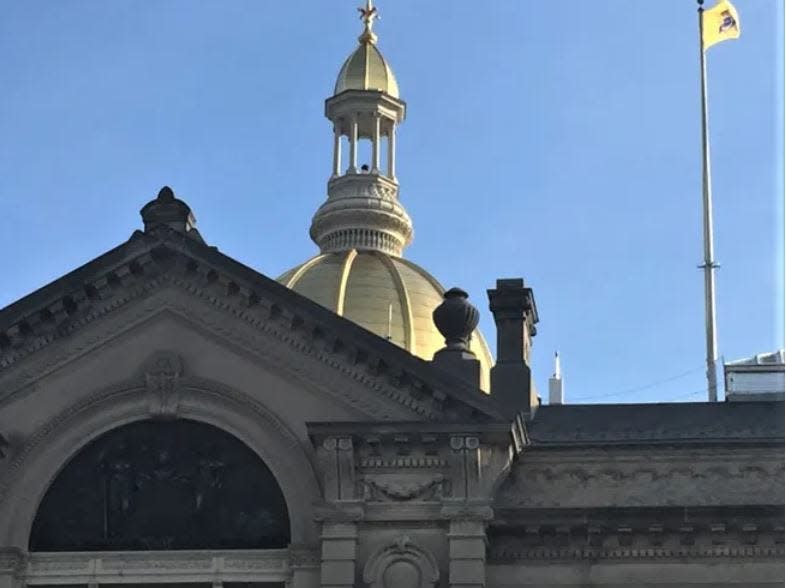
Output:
x,y
774,358
755,378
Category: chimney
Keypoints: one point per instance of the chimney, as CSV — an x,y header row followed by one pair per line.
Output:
x,y
515,315
556,393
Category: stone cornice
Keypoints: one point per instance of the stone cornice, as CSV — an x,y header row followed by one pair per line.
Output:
x,y
512,554
148,262
637,533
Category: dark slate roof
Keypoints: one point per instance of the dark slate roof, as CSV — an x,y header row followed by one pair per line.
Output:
x,y
700,422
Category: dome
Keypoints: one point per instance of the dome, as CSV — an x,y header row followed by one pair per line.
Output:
x,y
366,69
384,294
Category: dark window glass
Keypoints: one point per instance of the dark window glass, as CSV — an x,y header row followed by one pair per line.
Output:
x,y
157,485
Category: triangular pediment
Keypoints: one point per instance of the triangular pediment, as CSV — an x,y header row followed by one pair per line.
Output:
x,y
164,271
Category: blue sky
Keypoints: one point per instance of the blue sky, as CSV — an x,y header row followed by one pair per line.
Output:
x,y
554,141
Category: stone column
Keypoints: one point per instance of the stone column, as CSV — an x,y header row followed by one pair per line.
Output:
x,y
336,150
375,144
392,151
353,146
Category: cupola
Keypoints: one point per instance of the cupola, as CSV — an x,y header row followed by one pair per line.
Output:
x,y
362,227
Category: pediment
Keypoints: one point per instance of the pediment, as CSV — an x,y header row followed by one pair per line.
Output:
x,y
162,273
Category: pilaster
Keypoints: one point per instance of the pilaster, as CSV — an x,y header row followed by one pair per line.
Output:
x,y
467,549
340,513
339,552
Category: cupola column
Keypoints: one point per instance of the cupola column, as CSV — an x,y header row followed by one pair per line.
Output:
x,y
375,144
336,150
392,151
353,145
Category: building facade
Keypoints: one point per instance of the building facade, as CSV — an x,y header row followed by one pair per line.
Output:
x,y
169,416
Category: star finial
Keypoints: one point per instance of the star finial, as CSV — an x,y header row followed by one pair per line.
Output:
x,y
368,14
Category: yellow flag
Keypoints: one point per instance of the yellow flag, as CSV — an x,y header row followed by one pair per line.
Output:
x,y
720,23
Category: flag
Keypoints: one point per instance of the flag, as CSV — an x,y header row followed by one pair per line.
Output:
x,y
720,23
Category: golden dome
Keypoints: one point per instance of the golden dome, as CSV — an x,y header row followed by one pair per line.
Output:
x,y
366,69
387,295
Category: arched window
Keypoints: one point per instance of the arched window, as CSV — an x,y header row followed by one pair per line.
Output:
x,y
155,485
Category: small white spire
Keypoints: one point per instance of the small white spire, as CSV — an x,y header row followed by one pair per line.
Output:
x,y
556,393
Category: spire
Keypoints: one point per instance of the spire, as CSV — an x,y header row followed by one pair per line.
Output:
x,y
368,14
556,391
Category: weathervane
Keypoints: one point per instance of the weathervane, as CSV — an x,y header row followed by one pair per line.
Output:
x,y
368,14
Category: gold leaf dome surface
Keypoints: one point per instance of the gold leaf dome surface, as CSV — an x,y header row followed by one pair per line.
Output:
x,y
363,286
366,69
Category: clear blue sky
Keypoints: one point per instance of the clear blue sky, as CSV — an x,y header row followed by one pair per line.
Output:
x,y
557,141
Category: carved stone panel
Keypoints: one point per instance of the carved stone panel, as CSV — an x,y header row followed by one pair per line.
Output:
x,y
402,488
162,378
401,564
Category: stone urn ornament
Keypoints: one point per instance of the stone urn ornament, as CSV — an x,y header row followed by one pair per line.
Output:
x,y
456,319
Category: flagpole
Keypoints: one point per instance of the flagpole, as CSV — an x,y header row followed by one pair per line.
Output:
x,y
709,266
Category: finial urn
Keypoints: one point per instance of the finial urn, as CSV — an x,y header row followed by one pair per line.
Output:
x,y
168,210
456,318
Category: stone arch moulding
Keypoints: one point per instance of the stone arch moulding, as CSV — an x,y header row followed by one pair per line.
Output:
x,y
45,453
401,564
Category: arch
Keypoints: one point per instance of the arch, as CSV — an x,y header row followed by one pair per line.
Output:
x,y
162,484
44,455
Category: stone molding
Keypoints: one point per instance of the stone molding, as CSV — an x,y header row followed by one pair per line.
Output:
x,y
214,324
163,566
512,553
13,561
639,535
401,564
362,204
685,477
166,264
460,511
346,511
66,433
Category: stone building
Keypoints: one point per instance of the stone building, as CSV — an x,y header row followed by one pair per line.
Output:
x,y
171,416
